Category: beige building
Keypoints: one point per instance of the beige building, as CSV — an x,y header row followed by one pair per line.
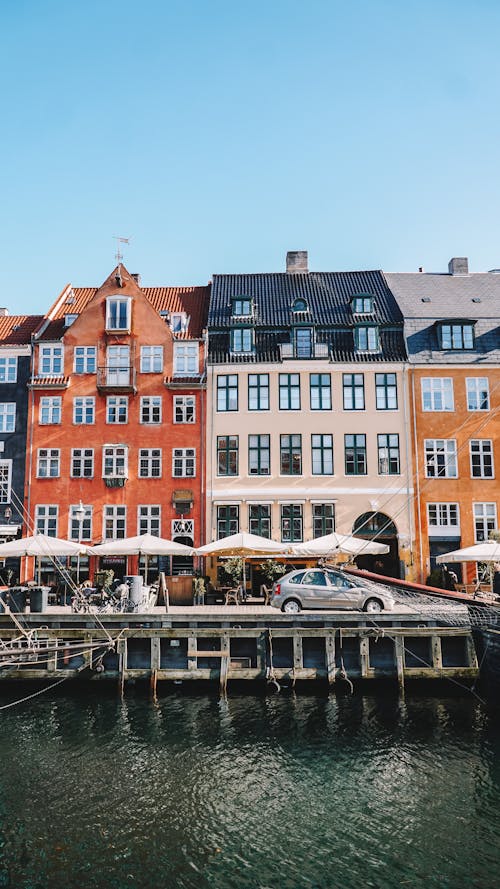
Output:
x,y
307,412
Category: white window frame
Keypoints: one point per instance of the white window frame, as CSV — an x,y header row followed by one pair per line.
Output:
x,y
116,513
147,522
119,300
5,481
370,333
86,403
151,359
151,405
178,322
77,523
117,406
183,462
437,394
182,528
146,460
447,519
446,446
484,514
186,359
48,458
88,357
8,369
45,513
7,416
51,360
473,387
485,449
52,407
184,409
83,455
242,340
111,452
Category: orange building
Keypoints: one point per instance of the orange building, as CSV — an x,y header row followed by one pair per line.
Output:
x,y
116,442
452,335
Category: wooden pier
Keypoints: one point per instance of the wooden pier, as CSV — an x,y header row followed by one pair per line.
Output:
x,y
222,646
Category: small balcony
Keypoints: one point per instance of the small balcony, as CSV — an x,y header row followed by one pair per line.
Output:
x,y
312,350
115,378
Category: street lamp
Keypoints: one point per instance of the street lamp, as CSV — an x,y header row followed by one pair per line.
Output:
x,y
79,513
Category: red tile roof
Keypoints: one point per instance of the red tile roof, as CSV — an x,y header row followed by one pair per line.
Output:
x,y
191,300
17,330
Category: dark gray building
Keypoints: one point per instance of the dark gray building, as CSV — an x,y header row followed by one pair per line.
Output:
x,y
15,369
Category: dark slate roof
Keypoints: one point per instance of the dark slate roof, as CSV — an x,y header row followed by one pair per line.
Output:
x,y
425,299
328,296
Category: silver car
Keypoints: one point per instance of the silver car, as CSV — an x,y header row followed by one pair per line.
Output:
x,y
324,588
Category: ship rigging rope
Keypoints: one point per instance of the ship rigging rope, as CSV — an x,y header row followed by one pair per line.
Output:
x,y
471,689
35,694
65,574
403,488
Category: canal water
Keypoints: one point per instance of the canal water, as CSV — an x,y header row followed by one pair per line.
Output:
x,y
285,791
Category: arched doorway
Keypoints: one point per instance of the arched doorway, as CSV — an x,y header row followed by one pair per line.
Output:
x,y
379,527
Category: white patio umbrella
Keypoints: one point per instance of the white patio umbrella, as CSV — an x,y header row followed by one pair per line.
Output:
x,y
333,543
141,545
40,545
242,544
487,551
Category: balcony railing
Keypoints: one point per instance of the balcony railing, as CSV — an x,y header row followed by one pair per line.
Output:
x,y
112,378
315,350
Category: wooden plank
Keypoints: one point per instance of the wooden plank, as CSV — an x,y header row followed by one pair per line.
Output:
x,y
437,657
364,656
400,662
192,651
155,653
197,653
471,652
262,651
224,664
298,654
331,669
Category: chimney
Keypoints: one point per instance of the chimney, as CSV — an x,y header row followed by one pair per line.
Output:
x,y
421,269
296,261
4,312
459,265
137,278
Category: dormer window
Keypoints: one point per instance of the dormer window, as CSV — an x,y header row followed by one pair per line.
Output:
x,y
299,305
457,335
303,342
242,339
362,305
178,322
242,307
118,313
68,320
367,338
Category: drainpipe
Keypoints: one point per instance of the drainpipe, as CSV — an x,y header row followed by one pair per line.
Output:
x,y
409,498
202,440
417,473
30,448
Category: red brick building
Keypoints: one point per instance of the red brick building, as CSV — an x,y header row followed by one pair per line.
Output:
x,y
116,409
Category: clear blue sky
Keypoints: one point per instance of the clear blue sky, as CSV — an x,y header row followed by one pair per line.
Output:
x,y
220,134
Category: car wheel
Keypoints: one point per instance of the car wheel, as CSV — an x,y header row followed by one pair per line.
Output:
x,y
291,606
374,606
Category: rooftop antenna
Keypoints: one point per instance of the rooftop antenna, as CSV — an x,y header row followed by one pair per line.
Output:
x,y
119,242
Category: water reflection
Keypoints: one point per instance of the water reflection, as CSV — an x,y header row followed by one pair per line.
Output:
x,y
252,791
